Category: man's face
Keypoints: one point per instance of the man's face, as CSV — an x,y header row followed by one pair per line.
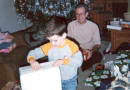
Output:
x,y
81,15
56,40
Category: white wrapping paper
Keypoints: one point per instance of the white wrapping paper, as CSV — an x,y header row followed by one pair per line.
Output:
x,y
47,78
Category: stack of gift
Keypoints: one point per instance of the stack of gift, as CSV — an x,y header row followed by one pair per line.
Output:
x,y
122,81
123,61
96,76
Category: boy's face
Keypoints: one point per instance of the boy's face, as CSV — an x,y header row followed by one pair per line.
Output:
x,y
57,40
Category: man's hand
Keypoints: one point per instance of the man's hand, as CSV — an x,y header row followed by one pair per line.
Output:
x,y
86,54
89,54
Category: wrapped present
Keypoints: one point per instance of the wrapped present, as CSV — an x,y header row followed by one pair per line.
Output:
x,y
94,80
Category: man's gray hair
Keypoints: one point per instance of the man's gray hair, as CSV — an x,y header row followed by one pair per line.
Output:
x,y
82,5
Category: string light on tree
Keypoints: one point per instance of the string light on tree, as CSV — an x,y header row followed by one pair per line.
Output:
x,y
46,7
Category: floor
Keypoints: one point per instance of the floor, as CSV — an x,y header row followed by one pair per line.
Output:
x,y
83,75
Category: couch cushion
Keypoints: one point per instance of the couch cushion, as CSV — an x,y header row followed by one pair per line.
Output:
x,y
17,56
6,74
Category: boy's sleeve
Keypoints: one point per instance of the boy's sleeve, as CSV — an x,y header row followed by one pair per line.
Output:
x,y
76,57
35,54
39,52
45,48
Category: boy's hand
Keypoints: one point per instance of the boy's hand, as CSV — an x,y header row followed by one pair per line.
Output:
x,y
58,62
35,65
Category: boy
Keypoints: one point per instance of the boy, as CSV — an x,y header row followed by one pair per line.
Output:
x,y
62,51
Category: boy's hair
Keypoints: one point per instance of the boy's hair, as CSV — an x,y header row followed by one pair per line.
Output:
x,y
56,26
82,5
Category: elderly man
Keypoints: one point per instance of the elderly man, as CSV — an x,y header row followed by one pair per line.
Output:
x,y
86,33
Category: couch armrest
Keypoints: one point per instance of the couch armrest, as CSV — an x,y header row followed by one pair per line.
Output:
x,y
19,38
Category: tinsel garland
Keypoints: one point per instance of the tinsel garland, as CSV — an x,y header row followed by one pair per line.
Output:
x,y
41,10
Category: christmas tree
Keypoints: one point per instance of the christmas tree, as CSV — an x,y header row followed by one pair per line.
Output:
x,y
39,12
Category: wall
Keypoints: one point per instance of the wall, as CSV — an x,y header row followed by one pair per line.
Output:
x,y
107,4
118,1
8,17
104,10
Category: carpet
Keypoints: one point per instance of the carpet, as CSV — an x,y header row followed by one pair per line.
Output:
x,y
83,75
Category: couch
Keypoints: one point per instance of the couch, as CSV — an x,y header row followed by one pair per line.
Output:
x,y
9,62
